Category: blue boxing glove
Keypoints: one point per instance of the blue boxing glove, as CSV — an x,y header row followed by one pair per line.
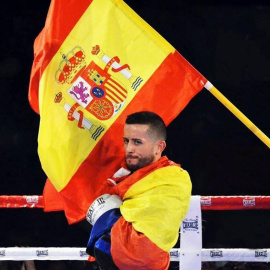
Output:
x,y
102,214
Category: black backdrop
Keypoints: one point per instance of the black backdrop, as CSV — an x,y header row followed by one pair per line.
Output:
x,y
228,42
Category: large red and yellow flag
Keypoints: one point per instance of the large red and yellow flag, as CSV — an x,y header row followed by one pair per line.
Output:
x,y
95,62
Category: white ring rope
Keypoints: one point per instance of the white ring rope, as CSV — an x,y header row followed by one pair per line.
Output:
x,y
228,254
79,254
43,254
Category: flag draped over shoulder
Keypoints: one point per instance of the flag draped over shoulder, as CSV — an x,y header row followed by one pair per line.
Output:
x,y
95,62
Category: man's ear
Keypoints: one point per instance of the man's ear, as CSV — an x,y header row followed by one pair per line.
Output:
x,y
161,147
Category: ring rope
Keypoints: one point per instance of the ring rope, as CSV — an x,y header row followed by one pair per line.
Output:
x,y
207,255
79,254
228,254
207,202
14,201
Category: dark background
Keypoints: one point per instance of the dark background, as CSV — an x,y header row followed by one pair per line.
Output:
x,y
228,42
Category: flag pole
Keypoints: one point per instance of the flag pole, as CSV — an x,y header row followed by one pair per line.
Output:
x,y
212,89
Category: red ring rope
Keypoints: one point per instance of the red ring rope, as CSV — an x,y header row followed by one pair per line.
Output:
x,y
21,201
207,202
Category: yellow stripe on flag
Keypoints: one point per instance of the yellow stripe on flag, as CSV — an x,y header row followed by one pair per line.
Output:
x,y
149,200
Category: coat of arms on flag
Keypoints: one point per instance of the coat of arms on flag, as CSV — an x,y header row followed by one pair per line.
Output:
x,y
92,87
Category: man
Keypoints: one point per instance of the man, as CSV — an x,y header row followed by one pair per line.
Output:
x,y
137,222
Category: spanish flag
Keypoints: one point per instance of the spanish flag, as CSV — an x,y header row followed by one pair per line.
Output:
x,y
95,62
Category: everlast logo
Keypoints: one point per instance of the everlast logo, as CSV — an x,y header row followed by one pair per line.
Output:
x,y
206,202
261,254
83,253
32,199
100,200
174,254
2,253
249,202
41,253
190,225
216,254
89,215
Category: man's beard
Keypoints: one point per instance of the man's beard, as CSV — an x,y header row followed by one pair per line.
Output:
x,y
142,162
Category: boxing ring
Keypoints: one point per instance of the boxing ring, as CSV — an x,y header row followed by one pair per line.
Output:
x,y
191,229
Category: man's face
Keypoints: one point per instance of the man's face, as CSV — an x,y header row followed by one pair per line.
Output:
x,y
140,149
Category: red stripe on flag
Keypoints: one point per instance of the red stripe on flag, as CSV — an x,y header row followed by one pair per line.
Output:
x,y
50,39
111,97
119,85
143,249
115,92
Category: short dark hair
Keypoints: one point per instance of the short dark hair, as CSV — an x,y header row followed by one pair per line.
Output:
x,y
155,122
